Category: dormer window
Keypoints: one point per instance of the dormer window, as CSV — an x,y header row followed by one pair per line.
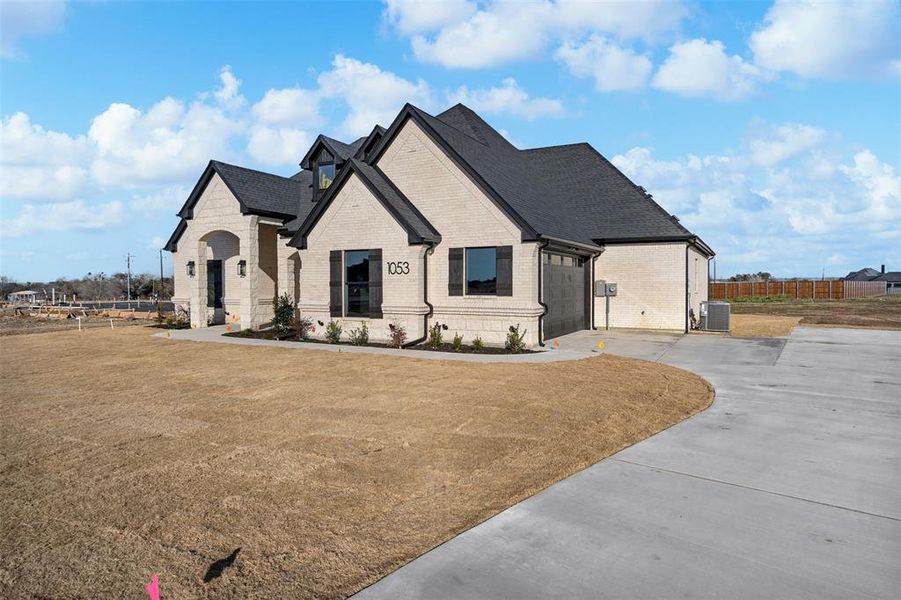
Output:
x,y
326,175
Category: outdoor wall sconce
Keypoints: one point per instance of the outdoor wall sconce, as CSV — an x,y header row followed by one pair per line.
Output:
x,y
190,268
242,268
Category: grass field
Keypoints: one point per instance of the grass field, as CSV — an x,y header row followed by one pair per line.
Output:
x,y
881,312
282,473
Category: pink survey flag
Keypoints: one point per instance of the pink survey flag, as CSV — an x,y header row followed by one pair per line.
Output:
x,y
153,588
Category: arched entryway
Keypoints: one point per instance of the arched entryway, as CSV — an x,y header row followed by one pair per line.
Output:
x,y
218,274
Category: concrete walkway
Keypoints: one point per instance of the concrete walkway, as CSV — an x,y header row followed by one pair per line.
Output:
x,y
789,486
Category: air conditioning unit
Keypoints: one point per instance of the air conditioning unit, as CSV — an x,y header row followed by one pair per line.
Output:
x,y
715,316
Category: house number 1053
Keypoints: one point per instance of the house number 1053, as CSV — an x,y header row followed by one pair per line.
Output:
x,y
399,268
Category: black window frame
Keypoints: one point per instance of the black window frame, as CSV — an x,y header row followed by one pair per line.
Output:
x,y
346,284
323,159
466,281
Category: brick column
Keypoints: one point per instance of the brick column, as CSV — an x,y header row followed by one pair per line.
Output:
x,y
250,250
197,285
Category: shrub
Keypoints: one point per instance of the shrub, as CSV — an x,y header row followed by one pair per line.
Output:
x,y
303,327
333,332
477,344
170,321
515,339
359,337
397,335
283,310
458,342
435,337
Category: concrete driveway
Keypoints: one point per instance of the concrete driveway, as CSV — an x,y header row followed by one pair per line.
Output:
x,y
789,486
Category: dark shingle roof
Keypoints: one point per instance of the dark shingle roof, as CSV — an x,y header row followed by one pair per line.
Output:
x,y
864,274
568,192
261,192
890,276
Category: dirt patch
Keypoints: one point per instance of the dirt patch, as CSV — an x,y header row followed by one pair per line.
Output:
x,y
26,324
880,312
763,325
283,473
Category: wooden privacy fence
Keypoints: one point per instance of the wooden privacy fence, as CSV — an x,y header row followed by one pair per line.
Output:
x,y
803,289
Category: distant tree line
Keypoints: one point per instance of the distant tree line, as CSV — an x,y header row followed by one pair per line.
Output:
x,y
759,276
95,286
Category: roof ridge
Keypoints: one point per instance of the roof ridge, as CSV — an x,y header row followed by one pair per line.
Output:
x,y
446,124
219,162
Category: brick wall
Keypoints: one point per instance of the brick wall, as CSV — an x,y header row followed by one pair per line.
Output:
x,y
465,217
651,280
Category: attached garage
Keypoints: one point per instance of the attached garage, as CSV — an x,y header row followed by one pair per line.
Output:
x,y
565,280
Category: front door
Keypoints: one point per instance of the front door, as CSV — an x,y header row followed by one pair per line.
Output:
x,y
214,291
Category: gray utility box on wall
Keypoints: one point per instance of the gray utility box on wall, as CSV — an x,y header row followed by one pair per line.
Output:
x,y
715,316
603,288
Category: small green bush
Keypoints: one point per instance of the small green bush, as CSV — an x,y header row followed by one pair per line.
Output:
x,y
477,344
283,309
359,336
435,337
333,332
303,327
458,342
516,340
397,335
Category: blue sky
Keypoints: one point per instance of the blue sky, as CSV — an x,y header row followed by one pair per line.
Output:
x,y
772,130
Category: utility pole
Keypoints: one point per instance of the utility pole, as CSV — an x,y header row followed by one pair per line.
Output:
x,y
128,258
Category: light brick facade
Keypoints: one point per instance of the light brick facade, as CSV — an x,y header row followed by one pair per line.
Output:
x,y
653,278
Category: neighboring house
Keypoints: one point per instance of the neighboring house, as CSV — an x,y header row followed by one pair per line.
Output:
x,y
23,296
892,279
866,274
437,219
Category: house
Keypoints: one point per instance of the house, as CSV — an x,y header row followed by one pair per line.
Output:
x,y
892,279
437,219
23,296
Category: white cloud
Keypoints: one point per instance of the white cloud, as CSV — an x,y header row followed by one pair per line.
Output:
x,y
289,106
164,201
278,145
168,143
49,182
507,99
786,218
372,95
702,68
156,242
26,19
228,94
416,16
780,143
505,30
612,67
831,40
63,216
39,164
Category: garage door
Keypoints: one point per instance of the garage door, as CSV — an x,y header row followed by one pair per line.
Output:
x,y
564,292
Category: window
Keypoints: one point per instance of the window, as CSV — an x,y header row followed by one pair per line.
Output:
x,y
326,175
481,271
356,281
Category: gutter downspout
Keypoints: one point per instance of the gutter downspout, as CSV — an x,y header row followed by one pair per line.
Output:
x,y
594,257
687,298
425,298
541,246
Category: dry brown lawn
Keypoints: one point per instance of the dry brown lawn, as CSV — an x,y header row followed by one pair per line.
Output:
x,y
879,312
762,325
125,455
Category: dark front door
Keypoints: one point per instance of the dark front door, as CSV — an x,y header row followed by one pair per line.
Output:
x,y
564,290
214,284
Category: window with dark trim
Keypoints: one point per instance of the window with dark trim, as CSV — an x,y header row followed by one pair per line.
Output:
x,y
356,283
481,271
326,175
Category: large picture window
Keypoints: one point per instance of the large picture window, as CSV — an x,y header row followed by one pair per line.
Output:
x,y
481,271
356,281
